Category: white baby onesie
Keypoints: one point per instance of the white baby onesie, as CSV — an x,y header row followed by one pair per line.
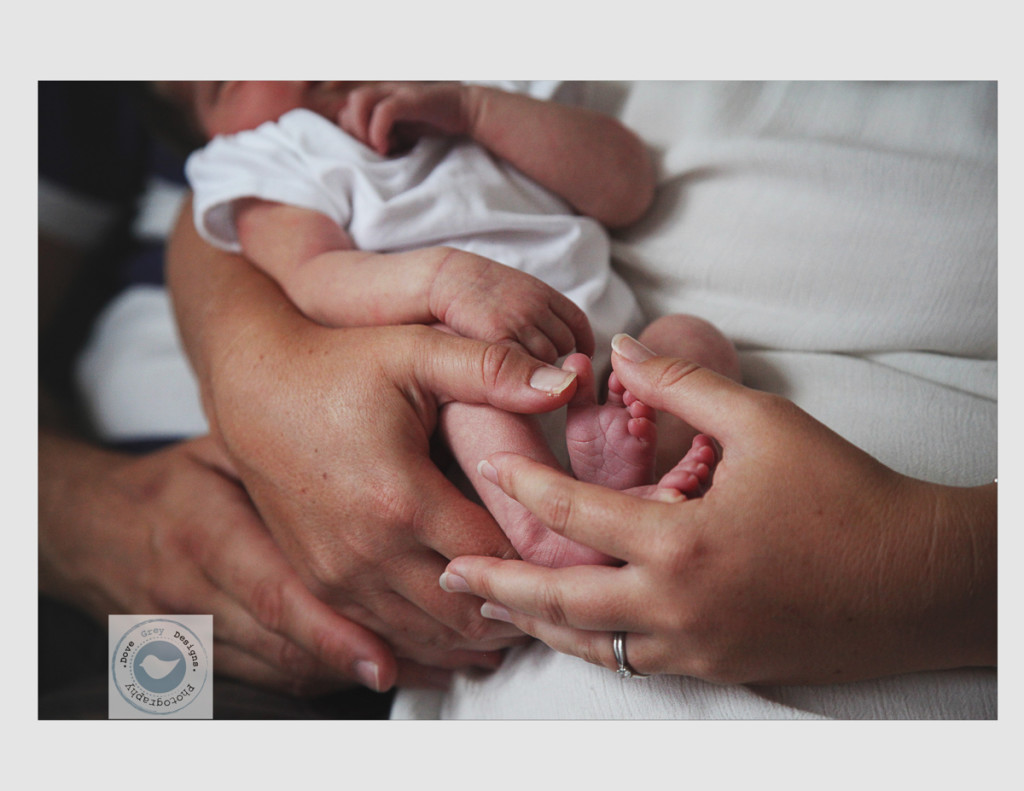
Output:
x,y
444,191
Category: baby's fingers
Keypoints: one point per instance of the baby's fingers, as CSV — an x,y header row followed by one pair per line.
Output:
x,y
355,116
537,343
576,322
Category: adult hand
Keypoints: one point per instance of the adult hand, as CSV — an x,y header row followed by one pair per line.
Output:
x,y
330,430
807,561
174,532
338,463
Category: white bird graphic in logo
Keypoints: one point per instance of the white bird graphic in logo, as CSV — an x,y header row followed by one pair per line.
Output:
x,y
157,668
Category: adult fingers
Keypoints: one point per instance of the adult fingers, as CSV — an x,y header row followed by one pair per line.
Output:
x,y
598,517
450,525
711,403
279,602
574,610
461,369
251,668
238,555
581,597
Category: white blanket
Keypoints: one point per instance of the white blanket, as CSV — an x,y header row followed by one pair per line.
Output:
x,y
844,236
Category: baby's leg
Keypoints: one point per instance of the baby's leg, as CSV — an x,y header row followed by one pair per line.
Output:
x,y
473,432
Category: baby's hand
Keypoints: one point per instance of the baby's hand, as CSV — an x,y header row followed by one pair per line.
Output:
x,y
391,116
488,301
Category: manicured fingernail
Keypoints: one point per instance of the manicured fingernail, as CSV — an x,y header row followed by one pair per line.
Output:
x,y
486,469
631,348
453,583
369,674
551,380
495,612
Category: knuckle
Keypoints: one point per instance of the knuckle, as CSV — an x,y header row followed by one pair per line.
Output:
x,y
296,663
266,602
590,652
322,648
673,374
774,405
493,363
326,573
430,636
550,606
682,558
476,629
559,507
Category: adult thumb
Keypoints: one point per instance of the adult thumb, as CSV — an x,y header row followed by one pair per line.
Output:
x,y
454,368
709,402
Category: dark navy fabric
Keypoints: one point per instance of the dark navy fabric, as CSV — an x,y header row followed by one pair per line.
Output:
x,y
94,141
91,139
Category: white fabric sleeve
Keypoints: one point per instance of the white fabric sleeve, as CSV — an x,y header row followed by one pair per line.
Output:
x,y
272,163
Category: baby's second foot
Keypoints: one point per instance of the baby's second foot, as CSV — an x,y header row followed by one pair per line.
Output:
x,y
611,444
692,475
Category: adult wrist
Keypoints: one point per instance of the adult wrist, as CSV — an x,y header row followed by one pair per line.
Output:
x,y
956,595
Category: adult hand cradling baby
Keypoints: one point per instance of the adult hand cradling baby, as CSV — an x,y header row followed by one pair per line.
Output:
x,y
366,524
807,561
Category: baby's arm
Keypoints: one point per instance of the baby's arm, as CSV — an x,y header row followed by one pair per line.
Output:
x,y
316,264
592,161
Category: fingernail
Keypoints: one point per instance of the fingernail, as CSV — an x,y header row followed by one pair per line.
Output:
x,y
369,674
495,612
486,469
453,583
631,348
667,495
551,380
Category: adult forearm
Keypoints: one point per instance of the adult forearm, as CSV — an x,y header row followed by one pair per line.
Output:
x,y
963,575
591,160
221,303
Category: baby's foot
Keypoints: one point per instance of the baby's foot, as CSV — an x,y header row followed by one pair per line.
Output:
x,y
690,478
692,475
611,444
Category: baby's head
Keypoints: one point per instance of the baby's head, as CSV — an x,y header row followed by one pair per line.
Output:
x,y
222,108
